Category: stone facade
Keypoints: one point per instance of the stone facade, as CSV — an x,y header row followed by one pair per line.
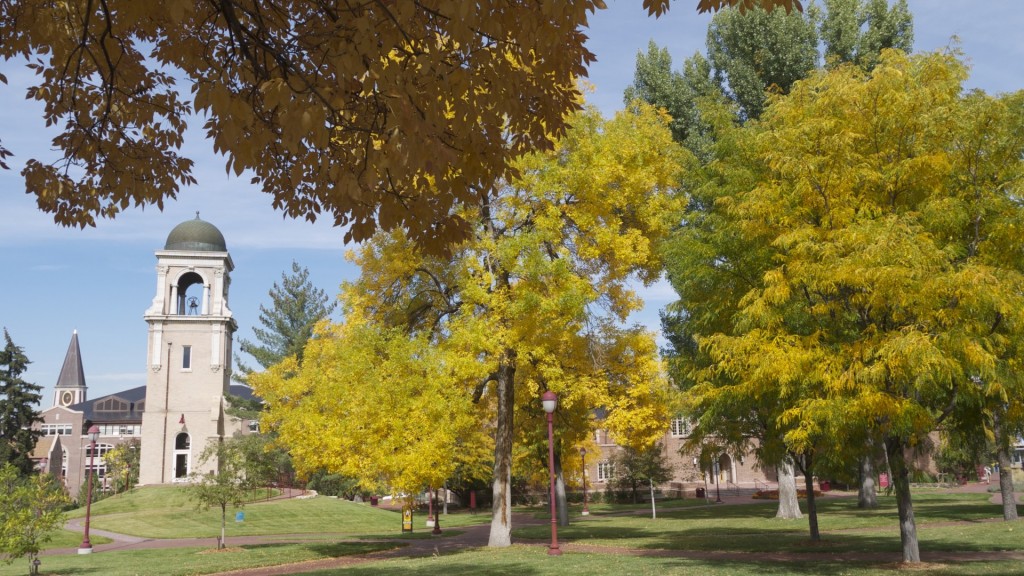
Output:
x,y
181,408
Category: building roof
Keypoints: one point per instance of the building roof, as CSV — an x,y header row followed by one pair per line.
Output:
x,y
72,375
127,406
196,236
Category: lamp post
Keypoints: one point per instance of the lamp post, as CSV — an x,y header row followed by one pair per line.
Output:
x,y
94,434
549,401
583,458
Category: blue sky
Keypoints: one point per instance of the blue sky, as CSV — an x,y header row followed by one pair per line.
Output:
x,y
99,281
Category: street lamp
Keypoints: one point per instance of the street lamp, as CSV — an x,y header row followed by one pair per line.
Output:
x,y
550,401
583,458
94,434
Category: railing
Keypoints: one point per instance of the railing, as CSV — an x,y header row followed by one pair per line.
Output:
x,y
762,486
731,487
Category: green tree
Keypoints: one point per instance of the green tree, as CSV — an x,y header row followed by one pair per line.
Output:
x,y
228,485
883,210
636,469
377,116
858,30
751,54
123,465
31,510
295,308
18,401
759,51
519,309
681,94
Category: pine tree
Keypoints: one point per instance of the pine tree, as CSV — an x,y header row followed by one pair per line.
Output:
x,y
296,307
17,408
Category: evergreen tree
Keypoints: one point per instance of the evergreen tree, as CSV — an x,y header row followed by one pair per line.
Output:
x,y
18,399
296,307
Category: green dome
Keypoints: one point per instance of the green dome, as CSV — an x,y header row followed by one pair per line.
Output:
x,y
196,236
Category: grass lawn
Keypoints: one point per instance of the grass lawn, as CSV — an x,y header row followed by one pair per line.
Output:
x,y
946,522
185,561
167,512
844,527
533,561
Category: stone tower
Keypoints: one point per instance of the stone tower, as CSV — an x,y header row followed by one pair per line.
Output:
x,y
189,353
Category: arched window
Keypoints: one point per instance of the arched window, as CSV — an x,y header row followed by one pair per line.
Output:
x,y
182,442
182,457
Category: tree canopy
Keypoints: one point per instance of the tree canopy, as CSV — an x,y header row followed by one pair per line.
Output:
x,y
295,308
18,401
374,115
855,262
534,301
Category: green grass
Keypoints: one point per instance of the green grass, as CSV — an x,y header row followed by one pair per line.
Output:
x,y
533,561
185,561
69,539
946,522
753,527
167,512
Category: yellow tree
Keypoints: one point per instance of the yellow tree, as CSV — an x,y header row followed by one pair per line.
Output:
x,y
522,306
372,404
375,114
889,293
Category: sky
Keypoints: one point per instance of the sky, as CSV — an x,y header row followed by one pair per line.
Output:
x,y
99,281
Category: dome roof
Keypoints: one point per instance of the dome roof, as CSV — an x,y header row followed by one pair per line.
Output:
x,y
196,236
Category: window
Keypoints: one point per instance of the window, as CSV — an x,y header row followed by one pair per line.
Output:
x,y
112,404
605,471
186,357
680,427
120,429
56,429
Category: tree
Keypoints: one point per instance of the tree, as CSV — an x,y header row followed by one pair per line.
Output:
x,y
123,465
635,468
228,485
759,51
296,307
31,510
18,400
371,404
858,30
883,207
330,107
534,301
681,94
750,55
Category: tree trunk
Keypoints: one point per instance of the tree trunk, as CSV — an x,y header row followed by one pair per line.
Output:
x,y
812,507
654,511
1006,485
445,502
789,504
1005,470
867,496
901,485
223,526
561,503
501,508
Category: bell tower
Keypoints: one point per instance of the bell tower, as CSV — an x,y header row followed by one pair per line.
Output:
x,y
188,353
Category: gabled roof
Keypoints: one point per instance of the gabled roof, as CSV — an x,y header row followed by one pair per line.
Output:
x,y
72,375
130,399
105,408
